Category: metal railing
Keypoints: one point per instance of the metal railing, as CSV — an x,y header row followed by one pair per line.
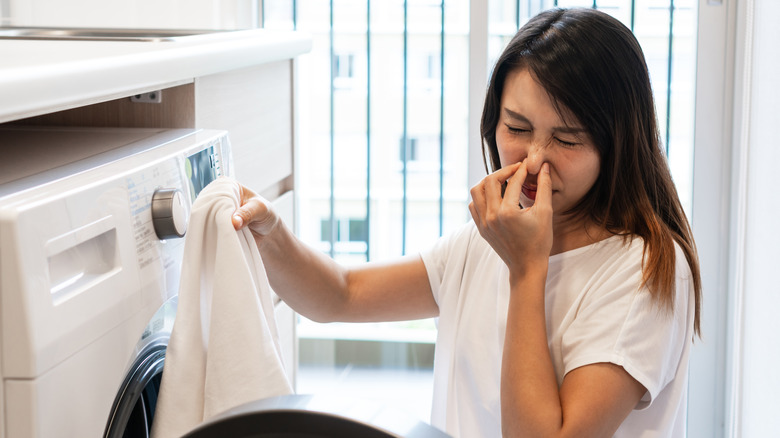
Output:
x,y
528,7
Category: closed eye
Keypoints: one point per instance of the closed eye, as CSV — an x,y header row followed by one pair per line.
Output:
x,y
565,143
515,130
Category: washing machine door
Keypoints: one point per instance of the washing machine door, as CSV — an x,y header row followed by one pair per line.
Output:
x,y
134,406
308,416
133,409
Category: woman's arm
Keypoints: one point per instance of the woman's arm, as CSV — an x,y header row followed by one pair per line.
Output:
x,y
594,399
321,289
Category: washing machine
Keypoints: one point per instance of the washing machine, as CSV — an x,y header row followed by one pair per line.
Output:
x,y
91,222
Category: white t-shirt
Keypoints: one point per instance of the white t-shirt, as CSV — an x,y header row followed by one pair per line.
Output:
x,y
595,313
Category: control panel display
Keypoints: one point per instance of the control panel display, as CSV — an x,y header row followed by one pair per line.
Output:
x,y
202,168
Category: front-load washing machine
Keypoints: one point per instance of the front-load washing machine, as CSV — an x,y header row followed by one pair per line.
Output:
x,y
90,257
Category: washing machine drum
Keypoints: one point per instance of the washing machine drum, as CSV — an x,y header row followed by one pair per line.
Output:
x,y
308,416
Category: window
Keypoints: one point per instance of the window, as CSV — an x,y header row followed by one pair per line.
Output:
x,y
383,140
344,72
408,150
345,230
343,66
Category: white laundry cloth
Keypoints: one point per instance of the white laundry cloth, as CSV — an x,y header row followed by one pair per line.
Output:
x,y
224,348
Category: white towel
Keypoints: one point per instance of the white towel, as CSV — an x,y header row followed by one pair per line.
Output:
x,y
224,348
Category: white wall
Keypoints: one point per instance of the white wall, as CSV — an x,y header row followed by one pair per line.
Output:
x,y
734,384
711,215
171,14
3,8
759,410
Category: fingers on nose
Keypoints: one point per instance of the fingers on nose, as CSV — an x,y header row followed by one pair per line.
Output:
x,y
537,155
544,188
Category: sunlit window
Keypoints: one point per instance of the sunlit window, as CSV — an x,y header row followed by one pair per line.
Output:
x,y
382,158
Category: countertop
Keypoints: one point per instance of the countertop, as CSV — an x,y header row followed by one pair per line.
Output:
x,y
42,76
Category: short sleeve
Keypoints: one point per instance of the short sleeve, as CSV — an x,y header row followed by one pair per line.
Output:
x,y
443,254
620,323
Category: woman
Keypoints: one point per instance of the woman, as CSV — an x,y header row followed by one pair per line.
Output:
x,y
569,305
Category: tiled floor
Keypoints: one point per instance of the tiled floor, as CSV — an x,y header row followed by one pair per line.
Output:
x,y
406,390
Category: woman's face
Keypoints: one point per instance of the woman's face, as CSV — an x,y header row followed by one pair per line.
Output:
x,y
529,128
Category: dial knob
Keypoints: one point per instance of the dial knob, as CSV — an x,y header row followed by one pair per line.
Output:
x,y
169,216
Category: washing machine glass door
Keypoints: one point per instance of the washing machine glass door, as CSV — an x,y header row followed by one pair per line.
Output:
x,y
133,410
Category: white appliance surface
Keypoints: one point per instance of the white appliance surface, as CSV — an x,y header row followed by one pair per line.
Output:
x,y
192,14
82,271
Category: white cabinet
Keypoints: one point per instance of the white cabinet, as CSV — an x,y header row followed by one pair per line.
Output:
x,y
243,85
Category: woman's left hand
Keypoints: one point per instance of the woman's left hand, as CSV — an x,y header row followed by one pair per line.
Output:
x,y
522,237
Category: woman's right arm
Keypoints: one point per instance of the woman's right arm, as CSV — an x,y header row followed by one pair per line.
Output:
x,y
317,287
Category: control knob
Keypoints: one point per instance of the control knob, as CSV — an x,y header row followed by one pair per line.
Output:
x,y
169,216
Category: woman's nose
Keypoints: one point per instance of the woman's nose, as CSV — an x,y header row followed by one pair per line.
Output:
x,y
536,157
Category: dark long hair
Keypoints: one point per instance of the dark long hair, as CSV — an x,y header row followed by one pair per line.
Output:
x,y
592,65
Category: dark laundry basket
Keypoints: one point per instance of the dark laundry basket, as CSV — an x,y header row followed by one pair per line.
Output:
x,y
309,416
